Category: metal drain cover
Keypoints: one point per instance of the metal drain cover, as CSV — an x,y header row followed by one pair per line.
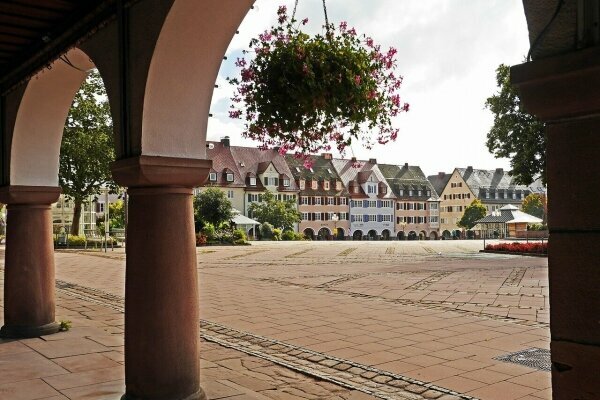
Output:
x,y
532,358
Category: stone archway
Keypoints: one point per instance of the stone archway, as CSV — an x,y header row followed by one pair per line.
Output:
x,y
422,235
433,235
412,235
309,233
324,233
340,234
446,234
385,234
401,236
357,235
372,234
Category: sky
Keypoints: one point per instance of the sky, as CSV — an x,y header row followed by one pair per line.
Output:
x,y
448,51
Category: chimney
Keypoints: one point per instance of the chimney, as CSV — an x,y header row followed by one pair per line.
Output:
x,y
327,156
470,168
499,171
405,165
225,141
441,174
373,160
353,159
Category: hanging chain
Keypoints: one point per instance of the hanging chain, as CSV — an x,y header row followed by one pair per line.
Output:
x,y
295,7
325,12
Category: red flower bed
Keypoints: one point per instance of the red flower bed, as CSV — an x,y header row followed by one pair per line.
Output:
x,y
516,247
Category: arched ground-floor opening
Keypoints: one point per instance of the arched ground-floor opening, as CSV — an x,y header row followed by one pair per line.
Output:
x,y
422,235
401,236
324,234
456,234
340,234
309,233
250,233
385,234
357,235
433,235
372,234
446,234
412,235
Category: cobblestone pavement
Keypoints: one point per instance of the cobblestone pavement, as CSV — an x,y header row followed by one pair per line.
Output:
x,y
389,319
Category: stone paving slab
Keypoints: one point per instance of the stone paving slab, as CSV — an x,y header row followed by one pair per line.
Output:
x,y
434,312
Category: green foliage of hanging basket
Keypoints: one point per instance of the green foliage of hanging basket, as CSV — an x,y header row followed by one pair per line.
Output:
x,y
301,93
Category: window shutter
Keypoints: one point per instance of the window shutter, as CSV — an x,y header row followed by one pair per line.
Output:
x,y
379,218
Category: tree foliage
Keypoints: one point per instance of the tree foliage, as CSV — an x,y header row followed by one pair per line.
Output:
x,y
473,212
212,206
281,214
535,204
516,134
87,148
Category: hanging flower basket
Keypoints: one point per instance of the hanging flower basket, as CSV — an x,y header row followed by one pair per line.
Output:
x,y
303,93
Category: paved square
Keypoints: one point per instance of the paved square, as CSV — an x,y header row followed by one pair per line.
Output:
x,y
392,319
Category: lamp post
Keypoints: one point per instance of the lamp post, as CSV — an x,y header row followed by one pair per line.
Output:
x,y
403,225
335,218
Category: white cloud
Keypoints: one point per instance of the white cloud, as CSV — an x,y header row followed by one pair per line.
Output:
x,y
448,51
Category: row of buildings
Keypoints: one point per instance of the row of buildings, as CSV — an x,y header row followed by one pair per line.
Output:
x,y
359,199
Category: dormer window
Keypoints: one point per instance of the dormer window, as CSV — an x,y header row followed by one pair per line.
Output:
x,y
420,193
410,192
229,176
212,176
326,185
286,182
338,185
314,185
355,189
302,184
252,181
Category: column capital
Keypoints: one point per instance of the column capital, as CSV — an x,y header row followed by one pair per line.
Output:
x,y
13,194
560,87
156,171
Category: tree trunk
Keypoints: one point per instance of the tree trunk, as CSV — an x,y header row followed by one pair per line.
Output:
x,y
76,217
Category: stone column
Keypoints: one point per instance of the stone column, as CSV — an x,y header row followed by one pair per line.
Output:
x,y
564,92
29,262
161,289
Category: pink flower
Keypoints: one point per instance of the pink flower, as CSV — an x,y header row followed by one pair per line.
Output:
x,y
343,26
352,32
304,21
369,42
405,107
240,62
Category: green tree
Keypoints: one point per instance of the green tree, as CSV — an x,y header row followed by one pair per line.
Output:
x,y
473,212
213,207
87,147
516,134
116,213
535,204
279,213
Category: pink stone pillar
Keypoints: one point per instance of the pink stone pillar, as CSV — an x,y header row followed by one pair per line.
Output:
x,y
564,92
29,264
161,290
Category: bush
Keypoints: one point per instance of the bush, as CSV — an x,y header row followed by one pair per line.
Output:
x,y
516,247
210,232
300,236
76,240
537,227
266,231
239,234
288,235
240,242
277,234
225,237
201,239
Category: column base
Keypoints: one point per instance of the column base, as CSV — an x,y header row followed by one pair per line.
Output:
x,y
24,332
199,395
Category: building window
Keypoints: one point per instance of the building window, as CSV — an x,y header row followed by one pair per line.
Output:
x,y
338,185
229,177
304,216
302,184
343,201
230,194
304,200
387,218
372,189
314,185
386,203
317,216
326,185
252,181
212,176
357,218
420,193
401,192
317,201
330,201
286,182
433,206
